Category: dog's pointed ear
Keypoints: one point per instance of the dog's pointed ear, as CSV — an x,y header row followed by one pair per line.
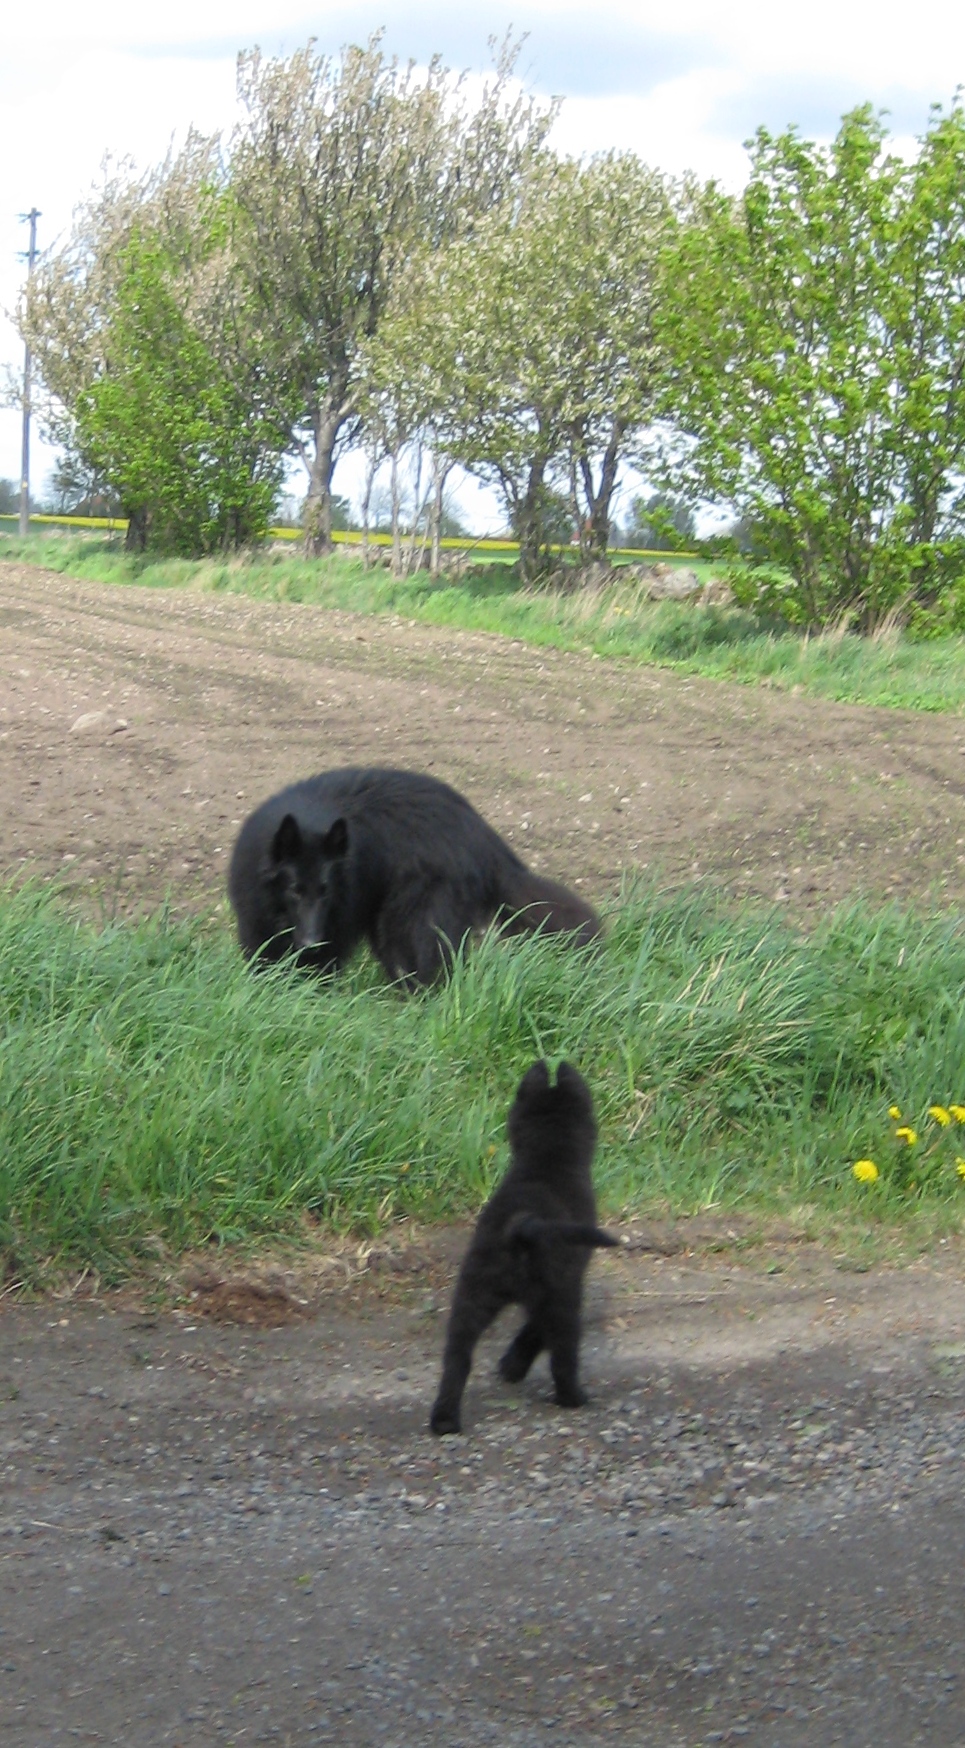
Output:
x,y
570,1082
287,841
335,842
534,1081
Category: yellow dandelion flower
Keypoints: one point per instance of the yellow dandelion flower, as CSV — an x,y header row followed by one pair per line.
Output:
x,y
865,1171
895,1113
960,1168
907,1134
940,1115
958,1112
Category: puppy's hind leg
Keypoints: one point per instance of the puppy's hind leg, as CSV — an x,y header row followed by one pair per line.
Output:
x,y
521,1352
470,1318
563,1341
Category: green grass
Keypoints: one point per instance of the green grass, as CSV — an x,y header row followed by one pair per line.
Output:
x,y
153,1087
719,643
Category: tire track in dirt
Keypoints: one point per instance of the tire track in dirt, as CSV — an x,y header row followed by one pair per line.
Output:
x,y
200,705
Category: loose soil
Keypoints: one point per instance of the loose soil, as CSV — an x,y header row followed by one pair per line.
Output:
x,y
137,729
224,1521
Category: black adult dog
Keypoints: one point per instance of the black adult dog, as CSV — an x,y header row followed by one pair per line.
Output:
x,y
532,1243
392,857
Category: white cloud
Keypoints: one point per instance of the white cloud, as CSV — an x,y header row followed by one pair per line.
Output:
x,y
653,126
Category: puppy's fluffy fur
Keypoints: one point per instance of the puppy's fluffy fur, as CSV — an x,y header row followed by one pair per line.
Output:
x,y
532,1244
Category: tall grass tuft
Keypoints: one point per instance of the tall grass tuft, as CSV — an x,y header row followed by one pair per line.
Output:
x,y
153,1087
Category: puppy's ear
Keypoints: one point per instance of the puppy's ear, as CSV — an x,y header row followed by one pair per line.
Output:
x,y
287,841
535,1081
570,1082
335,842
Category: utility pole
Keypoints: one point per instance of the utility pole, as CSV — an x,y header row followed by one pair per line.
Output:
x,y
30,218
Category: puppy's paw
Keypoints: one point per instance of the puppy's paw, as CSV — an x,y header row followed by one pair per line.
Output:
x,y
443,1420
513,1367
571,1396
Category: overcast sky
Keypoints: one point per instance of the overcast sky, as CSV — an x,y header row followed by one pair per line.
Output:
x,y
683,85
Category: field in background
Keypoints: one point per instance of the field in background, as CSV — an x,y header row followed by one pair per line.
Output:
x,y
155,1091
483,547
615,621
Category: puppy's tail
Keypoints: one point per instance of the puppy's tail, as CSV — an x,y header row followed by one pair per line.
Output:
x,y
529,1232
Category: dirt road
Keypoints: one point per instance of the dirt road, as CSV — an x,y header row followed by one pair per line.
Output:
x,y
756,1532
223,1532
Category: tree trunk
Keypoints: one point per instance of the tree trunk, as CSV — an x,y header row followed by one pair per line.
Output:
x,y
535,559
412,562
440,473
371,469
327,422
599,500
396,529
580,524
135,540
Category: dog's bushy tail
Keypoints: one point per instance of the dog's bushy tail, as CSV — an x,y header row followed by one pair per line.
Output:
x,y
529,1231
530,902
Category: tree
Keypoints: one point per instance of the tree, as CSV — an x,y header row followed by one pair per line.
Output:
x,y
76,488
151,360
396,413
527,348
65,310
187,450
661,523
341,169
816,329
616,213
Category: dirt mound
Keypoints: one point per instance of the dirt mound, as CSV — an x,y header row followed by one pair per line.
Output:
x,y
259,1303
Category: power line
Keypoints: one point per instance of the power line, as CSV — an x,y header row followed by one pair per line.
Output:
x,y
30,218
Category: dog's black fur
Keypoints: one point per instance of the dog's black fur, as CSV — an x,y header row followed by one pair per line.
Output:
x,y
392,857
531,1246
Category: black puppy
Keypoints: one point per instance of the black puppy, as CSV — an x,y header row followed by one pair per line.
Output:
x,y
531,1246
392,857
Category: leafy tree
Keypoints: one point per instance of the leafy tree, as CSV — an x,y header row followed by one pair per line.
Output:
x,y
396,411
289,510
527,348
615,214
661,523
341,170
9,497
66,308
817,332
190,455
151,361
76,488
342,518
452,526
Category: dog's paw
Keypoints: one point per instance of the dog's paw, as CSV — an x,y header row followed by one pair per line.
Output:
x,y
512,1369
443,1420
571,1396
